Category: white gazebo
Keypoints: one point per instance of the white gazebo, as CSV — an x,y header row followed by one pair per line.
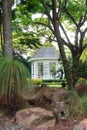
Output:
x,y
45,64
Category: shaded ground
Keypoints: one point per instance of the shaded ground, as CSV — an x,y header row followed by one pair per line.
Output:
x,y
9,123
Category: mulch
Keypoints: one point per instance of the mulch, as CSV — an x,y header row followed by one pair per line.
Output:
x,y
9,123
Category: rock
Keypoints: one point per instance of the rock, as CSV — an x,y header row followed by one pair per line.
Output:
x,y
83,123
35,118
41,128
81,126
22,103
81,88
59,100
49,98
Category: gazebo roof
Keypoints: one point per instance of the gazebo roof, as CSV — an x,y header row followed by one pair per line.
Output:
x,y
45,53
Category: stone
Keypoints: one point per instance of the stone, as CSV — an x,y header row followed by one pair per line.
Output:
x,y
81,88
61,101
35,118
84,124
81,126
41,128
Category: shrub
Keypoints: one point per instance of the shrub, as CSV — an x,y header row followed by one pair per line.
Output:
x,y
37,81
64,84
84,103
82,69
75,106
81,80
13,78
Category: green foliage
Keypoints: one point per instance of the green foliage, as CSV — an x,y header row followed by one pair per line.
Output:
x,y
42,20
72,12
24,40
31,6
75,106
73,102
23,60
13,77
64,84
82,69
77,8
84,103
48,45
30,85
37,81
84,55
82,80
24,11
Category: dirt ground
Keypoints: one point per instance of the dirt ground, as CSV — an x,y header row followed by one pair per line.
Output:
x,y
9,123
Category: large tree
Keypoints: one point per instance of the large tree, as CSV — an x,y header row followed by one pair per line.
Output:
x,y
7,27
16,78
75,12
56,12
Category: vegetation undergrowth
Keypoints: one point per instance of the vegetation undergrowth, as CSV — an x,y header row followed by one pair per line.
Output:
x,y
14,79
84,104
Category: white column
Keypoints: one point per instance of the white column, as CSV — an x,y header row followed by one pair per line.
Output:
x,y
46,70
34,70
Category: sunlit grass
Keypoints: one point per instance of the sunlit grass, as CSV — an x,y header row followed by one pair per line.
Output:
x,y
55,85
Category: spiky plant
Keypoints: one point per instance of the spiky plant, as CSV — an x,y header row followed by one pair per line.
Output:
x,y
13,78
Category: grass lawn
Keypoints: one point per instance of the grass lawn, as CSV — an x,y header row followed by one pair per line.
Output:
x,y
54,85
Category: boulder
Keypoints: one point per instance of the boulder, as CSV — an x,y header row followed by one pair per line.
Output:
x,y
49,98
83,123
81,126
35,118
81,88
61,101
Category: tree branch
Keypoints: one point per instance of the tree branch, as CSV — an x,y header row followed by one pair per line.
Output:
x,y
46,9
82,19
85,46
82,37
65,34
48,26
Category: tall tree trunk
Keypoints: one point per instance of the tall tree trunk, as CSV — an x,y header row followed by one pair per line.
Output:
x,y
67,68
75,63
56,23
7,28
1,36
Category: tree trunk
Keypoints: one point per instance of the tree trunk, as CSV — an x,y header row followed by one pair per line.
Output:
x,y
75,63
67,69
1,36
61,47
7,28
